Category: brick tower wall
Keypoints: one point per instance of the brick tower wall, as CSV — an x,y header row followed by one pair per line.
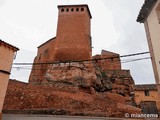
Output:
x,y
44,55
108,64
73,41
111,64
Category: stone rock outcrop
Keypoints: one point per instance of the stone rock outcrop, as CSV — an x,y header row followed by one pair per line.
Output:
x,y
123,82
71,74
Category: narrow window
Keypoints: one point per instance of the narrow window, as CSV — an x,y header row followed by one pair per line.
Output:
x,y
39,57
82,9
72,9
158,12
67,10
62,10
45,54
146,92
77,9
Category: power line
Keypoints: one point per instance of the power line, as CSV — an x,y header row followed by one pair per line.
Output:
x,y
122,61
72,61
136,59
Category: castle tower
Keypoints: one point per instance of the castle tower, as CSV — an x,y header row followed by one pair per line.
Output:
x,y
73,40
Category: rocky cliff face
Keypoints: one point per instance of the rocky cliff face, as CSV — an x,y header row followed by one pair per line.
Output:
x,y
88,75
71,74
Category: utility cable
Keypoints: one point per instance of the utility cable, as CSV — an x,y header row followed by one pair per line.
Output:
x,y
72,61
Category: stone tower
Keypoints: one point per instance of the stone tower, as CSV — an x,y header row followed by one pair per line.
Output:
x,y
73,40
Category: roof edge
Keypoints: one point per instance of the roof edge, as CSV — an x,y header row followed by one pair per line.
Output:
x,y
46,42
146,10
102,51
145,87
74,5
9,45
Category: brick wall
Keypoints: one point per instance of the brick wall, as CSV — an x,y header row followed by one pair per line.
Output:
x,y
25,98
140,96
112,63
44,55
73,41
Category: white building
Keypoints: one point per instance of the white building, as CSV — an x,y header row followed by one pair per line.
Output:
x,y
150,16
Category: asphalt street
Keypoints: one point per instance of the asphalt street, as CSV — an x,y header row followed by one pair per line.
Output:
x,y
51,117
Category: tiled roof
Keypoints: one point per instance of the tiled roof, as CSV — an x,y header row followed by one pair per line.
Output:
x,y
146,87
145,10
8,45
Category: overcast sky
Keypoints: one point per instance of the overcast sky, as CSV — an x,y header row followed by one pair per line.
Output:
x,y
29,23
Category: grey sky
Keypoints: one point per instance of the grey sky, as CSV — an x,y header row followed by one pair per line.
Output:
x,y
132,37
28,23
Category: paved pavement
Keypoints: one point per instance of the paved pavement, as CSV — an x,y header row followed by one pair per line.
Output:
x,y
51,117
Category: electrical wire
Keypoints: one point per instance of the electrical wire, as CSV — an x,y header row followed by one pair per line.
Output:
x,y
72,61
136,59
122,61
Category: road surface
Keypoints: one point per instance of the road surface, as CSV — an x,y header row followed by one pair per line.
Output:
x,y
53,117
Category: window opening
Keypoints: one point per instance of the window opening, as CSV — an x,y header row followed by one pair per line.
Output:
x,y
62,10
67,10
72,9
146,92
82,9
77,9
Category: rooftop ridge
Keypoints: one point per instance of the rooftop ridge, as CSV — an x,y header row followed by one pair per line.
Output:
x,y
9,45
77,5
145,87
145,10
46,42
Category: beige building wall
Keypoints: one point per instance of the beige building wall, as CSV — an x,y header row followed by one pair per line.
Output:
x,y
152,25
140,96
7,53
6,60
